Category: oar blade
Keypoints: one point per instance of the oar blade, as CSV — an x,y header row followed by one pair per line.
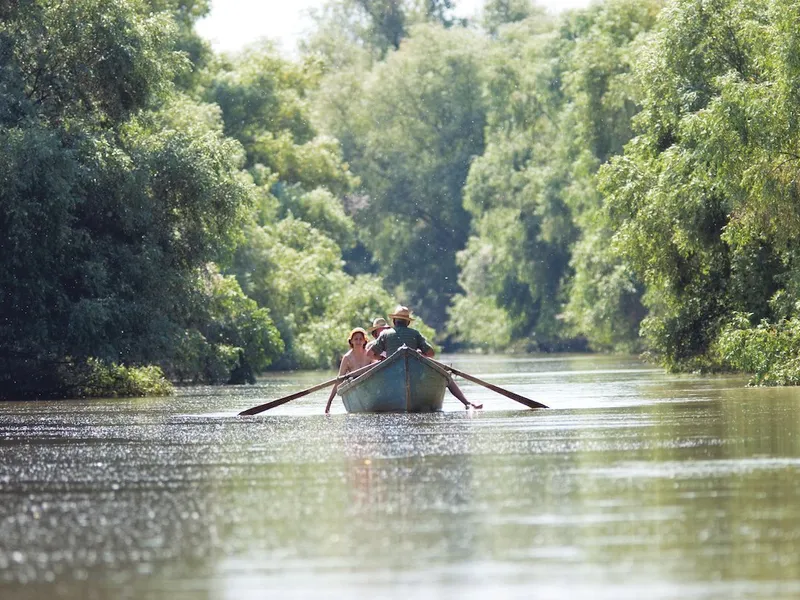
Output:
x,y
262,407
272,404
495,388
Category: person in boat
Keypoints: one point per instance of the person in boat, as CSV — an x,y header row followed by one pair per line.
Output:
x,y
390,340
378,325
355,358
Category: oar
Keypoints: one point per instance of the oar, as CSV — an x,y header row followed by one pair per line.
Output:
x,y
507,393
272,404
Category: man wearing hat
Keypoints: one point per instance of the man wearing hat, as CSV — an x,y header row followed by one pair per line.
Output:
x,y
378,325
390,340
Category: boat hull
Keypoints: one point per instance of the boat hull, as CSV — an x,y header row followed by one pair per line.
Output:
x,y
404,382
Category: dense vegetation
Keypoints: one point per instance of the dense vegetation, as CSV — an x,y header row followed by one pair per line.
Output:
x,y
619,178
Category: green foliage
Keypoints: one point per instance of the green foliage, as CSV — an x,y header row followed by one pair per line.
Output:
x,y
414,129
196,359
110,380
704,198
259,92
355,304
371,27
88,378
264,104
185,13
497,13
290,259
291,268
605,295
490,275
229,330
480,323
770,351
320,209
113,195
540,264
543,184
88,61
386,22
296,271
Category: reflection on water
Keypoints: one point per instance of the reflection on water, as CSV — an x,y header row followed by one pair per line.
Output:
x,y
634,484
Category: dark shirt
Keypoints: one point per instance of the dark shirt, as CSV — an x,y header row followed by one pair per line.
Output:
x,y
390,340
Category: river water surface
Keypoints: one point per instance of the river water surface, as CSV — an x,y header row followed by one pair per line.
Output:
x,y
634,484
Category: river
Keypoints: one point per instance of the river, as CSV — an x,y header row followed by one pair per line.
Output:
x,y
634,484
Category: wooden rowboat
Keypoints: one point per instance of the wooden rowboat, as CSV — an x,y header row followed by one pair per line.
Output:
x,y
404,382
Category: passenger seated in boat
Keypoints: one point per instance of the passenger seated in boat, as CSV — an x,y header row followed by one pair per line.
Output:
x,y
355,358
390,340
378,325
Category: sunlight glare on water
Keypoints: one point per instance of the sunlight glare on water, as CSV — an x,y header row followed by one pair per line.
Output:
x,y
634,484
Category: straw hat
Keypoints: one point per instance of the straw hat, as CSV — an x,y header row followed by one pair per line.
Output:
x,y
401,312
355,331
379,323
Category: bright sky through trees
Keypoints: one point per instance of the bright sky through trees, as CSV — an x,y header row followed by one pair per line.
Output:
x,y
235,23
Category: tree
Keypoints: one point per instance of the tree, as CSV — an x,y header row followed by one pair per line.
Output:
x,y
411,138
228,339
704,197
560,105
604,291
109,209
185,13
497,13
376,26
290,260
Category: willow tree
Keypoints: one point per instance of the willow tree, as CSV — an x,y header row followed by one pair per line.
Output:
x,y
376,26
113,200
560,105
411,131
290,260
706,196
